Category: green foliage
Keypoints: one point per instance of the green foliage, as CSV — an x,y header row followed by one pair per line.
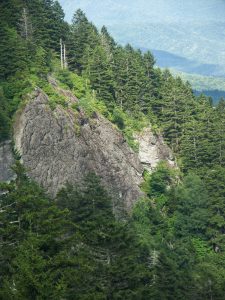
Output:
x,y
29,32
75,83
173,224
54,97
172,247
51,249
30,226
128,125
191,207
201,248
83,35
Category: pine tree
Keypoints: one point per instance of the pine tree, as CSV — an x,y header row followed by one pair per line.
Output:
x,y
191,211
83,34
26,28
32,230
99,71
14,60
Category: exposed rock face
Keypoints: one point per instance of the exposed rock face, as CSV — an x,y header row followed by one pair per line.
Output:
x,y
6,161
63,146
152,150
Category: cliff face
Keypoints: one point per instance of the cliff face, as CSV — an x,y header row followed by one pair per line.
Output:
x,y
63,146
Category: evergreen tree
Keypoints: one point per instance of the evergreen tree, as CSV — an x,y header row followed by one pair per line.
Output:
x,y
83,34
99,71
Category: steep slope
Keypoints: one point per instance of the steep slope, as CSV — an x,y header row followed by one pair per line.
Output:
x,y
63,145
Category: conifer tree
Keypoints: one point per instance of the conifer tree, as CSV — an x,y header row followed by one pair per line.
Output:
x,y
99,71
83,34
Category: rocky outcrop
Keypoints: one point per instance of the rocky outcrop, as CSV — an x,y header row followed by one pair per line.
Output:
x,y
64,145
152,150
6,161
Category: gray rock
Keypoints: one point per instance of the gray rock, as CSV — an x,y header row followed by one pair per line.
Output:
x,y
63,146
6,161
153,149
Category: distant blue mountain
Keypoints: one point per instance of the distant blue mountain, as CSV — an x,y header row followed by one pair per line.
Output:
x,y
214,94
194,29
166,59
189,35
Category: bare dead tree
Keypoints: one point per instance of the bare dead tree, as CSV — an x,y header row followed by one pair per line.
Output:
x,y
63,58
61,54
25,25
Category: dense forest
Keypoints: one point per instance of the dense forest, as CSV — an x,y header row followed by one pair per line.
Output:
x,y
171,246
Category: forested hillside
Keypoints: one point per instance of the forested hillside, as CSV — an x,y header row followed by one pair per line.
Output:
x,y
171,245
163,25
183,35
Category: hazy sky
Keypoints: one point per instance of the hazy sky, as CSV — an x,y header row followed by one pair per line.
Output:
x,y
110,11
194,29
